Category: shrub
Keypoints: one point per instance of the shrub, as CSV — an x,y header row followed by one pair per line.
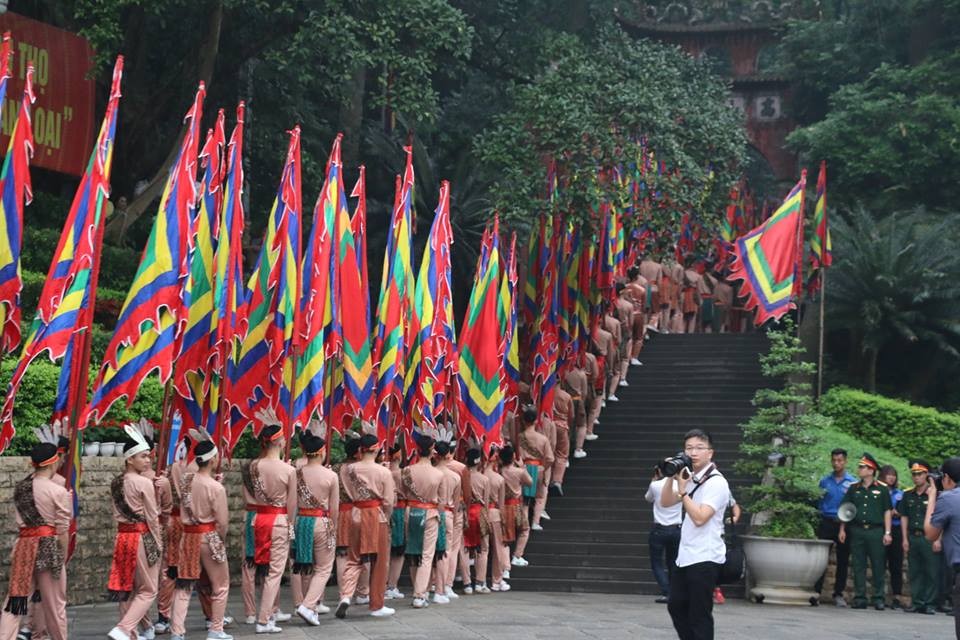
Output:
x,y
779,444
899,426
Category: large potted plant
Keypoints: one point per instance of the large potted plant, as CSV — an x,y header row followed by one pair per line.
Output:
x,y
784,558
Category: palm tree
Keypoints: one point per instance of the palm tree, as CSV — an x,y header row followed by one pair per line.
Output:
x,y
896,281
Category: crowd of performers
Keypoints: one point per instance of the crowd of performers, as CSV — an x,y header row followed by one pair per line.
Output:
x,y
449,507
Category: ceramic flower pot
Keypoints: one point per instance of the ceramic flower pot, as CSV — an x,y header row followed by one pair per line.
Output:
x,y
784,570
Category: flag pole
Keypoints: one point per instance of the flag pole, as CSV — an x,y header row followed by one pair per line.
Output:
x,y
823,297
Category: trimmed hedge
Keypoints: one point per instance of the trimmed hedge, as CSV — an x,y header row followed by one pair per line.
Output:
x,y
909,430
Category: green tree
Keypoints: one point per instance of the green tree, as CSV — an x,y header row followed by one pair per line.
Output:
x,y
896,284
779,441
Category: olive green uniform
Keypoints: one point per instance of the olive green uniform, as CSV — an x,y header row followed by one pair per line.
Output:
x,y
865,532
924,564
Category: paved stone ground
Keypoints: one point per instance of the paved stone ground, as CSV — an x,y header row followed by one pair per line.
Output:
x,y
517,616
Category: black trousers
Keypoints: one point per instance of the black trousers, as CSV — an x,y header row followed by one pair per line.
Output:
x,y
691,600
895,562
829,529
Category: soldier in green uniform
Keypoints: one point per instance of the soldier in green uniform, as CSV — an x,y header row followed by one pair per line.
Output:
x,y
869,531
922,555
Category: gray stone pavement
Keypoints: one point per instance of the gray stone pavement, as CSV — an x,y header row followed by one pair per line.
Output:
x,y
519,615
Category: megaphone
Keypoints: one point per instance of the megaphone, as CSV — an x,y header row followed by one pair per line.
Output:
x,y
847,512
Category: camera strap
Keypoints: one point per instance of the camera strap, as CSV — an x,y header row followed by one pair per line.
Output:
x,y
699,483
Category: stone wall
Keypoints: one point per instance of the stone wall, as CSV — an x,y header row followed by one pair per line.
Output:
x,y
90,567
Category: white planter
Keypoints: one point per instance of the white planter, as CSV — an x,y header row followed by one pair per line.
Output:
x,y
91,449
118,449
106,449
784,570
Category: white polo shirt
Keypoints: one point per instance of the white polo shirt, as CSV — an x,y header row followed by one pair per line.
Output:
x,y
666,516
705,543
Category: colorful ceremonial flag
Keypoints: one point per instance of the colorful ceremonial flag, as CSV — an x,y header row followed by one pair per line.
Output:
x,y
507,315
767,259
393,308
728,226
15,193
228,286
148,332
264,366
547,344
64,310
192,373
433,341
359,226
821,245
481,360
319,335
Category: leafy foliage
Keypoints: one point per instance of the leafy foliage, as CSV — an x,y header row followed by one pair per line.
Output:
x,y
779,441
589,106
896,281
897,425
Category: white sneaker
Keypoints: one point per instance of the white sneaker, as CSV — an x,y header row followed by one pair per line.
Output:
x,y
567,463
390,594
322,609
450,593
579,453
308,615
148,633
361,600
218,635
635,362
440,599
519,562
420,603
603,403
270,627
500,586
536,527
117,634
482,589
227,621
624,383
383,612
495,586
176,637
250,620
596,423
161,627
468,590
544,515
613,398
280,616
590,437
506,574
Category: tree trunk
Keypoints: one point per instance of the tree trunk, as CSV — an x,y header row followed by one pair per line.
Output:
x,y
205,64
870,376
351,116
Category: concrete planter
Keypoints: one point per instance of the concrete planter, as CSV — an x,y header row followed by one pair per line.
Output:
x,y
784,570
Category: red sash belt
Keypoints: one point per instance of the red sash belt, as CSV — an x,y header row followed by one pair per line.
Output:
x,y
493,505
367,504
450,509
315,513
471,532
534,462
512,501
43,531
251,507
132,527
175,512
345,506
124,564
401,503
416,504
203,527
269,509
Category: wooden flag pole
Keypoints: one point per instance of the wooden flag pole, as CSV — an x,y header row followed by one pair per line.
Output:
x,y
823,297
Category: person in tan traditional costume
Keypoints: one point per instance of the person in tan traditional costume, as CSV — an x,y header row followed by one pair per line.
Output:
x,y
652,271
205,518
623,310
345,525
371,490
43,513
135,570
563,419
273,485
420,485
537,454
451,499
513,515
496,494
318,491
636,292
690,300
581,395
476,533
397,527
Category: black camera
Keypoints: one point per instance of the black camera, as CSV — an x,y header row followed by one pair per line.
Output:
x,y
935,476
672,466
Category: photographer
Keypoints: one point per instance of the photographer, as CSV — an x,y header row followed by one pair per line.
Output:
x,y
943,518
694,482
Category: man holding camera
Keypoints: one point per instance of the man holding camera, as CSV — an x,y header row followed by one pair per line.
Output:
x,y
943,519
694,482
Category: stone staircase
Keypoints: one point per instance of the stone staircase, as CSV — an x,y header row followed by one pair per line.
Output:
x,y
596,540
